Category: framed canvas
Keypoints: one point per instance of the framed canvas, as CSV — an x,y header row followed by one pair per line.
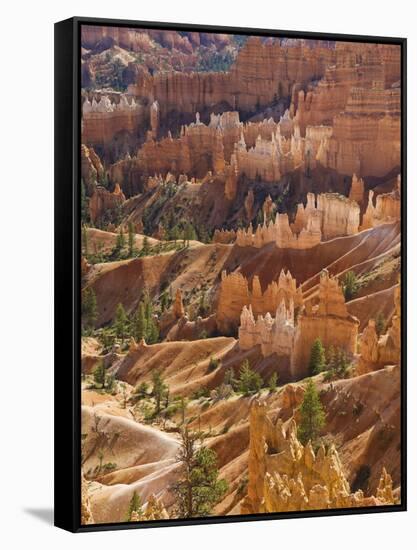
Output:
x,y
230,266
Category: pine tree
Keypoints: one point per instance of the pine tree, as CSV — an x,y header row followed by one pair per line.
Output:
x,y
199,488
317,358
312,416
139,323
152,332
164,300
89,308
85,240
131,239
189,233
145,246
84,204
99,374
249,380
342,363
120,240
159,390
350,285
120,322
135,508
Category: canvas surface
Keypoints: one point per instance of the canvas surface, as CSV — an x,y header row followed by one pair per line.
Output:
x,y
241,305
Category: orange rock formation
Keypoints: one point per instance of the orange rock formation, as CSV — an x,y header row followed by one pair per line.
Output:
x,y
103,119
178,307
334,216
329,321
286,476
273,335
91,167
102,200
387,207
376,352
235,293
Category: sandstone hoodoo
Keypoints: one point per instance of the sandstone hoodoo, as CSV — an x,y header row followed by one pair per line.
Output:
x,y
241,258
328,321
286,476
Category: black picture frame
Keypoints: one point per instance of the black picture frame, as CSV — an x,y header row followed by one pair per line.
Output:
x,y
67,385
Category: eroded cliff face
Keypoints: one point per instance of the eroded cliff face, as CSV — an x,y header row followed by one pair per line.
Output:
x,y
329,320
263,71
273,335
324,217
286,476
366,134
103,200
387,207
104,117
378,351
92,170
235,293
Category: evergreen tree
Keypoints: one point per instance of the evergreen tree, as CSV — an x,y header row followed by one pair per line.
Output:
x,y
189,233
350,285
99,374
164,300
199,489
139,323
330,358
153,332
131,239
84,241
84,204
135,507
159,390
249,380
317,358
312,416
145,246
120,322
120,240
342,363
88,308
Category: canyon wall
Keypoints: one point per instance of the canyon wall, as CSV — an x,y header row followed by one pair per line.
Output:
x,y
366,136
285,475
104,118
263,72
